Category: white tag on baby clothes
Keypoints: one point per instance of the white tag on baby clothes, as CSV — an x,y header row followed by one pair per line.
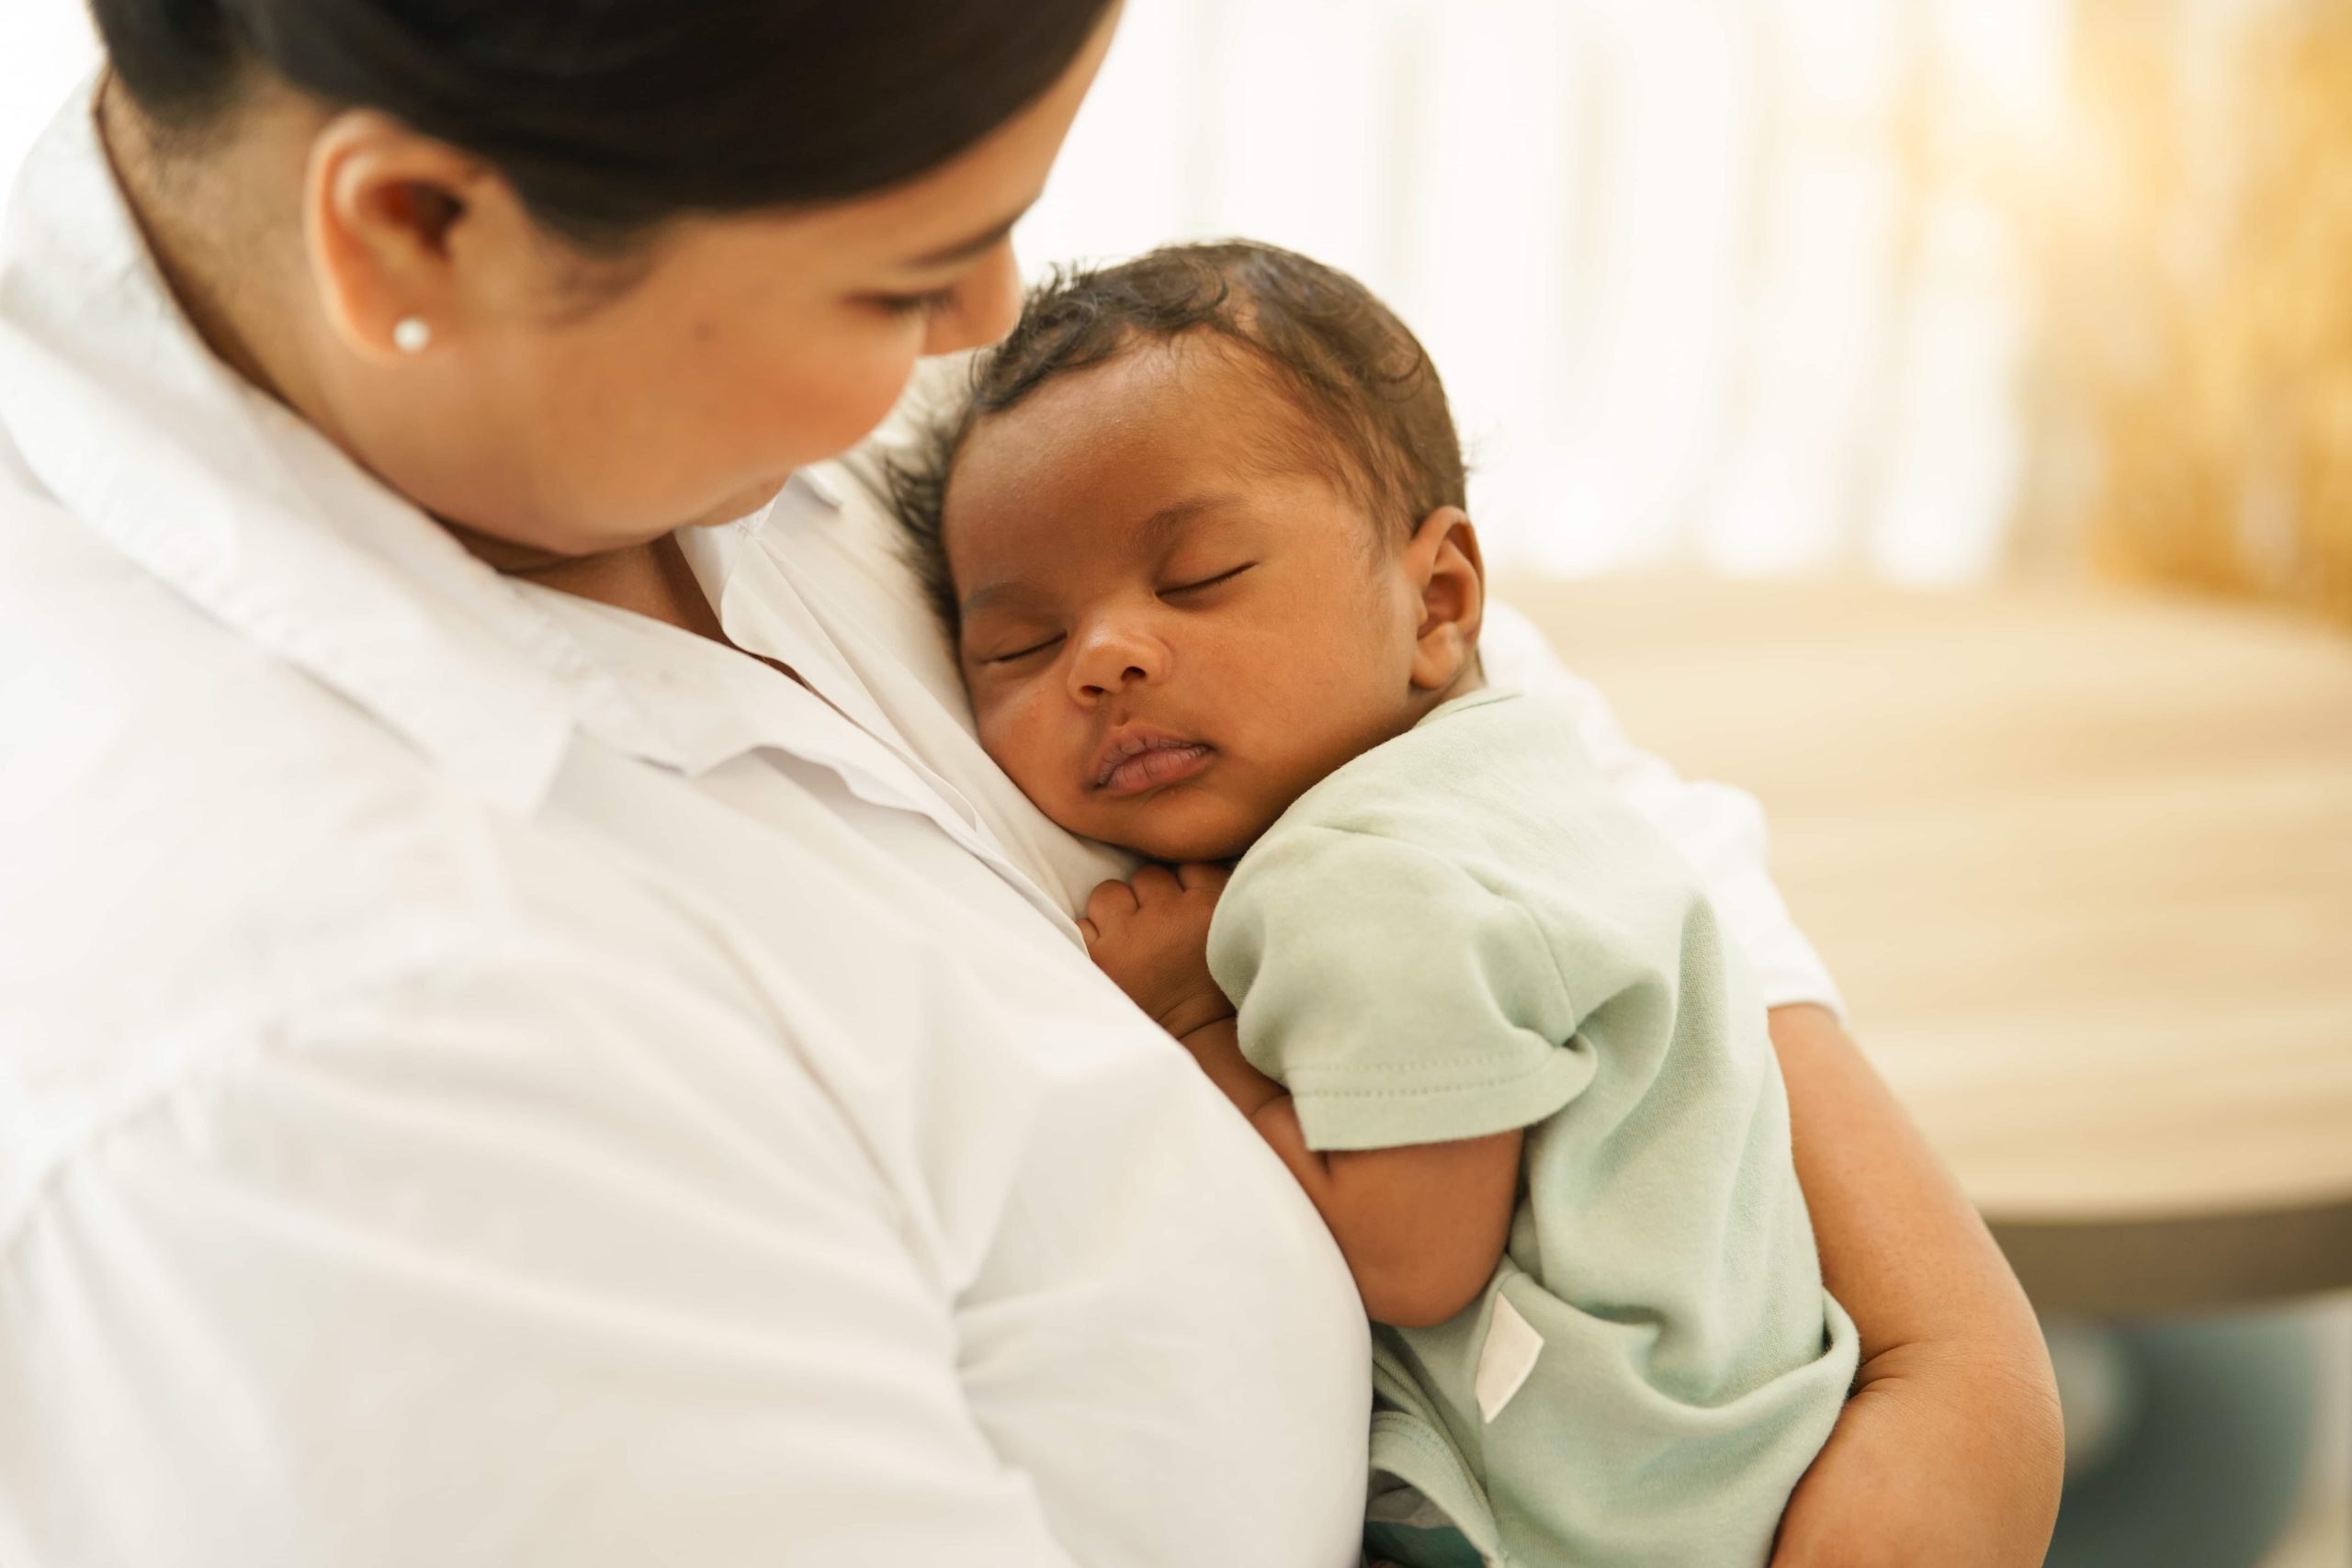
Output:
x,y
1509,1356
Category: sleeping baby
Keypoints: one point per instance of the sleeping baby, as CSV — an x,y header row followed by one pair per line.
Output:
x,y
1198,533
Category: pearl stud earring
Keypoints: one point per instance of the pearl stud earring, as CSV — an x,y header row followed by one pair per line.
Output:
x,y
411,335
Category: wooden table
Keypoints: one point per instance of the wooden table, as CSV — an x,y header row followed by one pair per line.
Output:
x,y
2082,861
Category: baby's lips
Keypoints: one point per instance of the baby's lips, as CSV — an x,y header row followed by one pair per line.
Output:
x,y
1153,766
1128,740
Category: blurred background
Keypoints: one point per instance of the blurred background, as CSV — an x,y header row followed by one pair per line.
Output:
x,y
1920,288
1932,293
1917,287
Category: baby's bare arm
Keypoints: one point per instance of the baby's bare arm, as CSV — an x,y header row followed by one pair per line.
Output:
x,y
1422,1226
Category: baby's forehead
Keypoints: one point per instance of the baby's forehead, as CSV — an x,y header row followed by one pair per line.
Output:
x,y
1192,408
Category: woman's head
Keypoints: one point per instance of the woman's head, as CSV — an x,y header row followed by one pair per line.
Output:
x,y
665,251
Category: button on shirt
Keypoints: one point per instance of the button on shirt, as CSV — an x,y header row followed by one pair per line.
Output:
x,y
488,1079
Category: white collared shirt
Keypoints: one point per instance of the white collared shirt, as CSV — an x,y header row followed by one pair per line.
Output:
x,y
488,1079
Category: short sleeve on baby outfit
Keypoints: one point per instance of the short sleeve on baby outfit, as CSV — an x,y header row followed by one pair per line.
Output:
x,y
1398,998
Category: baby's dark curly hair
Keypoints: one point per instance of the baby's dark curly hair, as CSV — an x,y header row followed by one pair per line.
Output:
x,y
1360,378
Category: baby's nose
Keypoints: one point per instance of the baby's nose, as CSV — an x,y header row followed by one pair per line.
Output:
x,y
1112,657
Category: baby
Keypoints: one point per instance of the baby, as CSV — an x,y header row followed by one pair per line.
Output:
x,y
1199,535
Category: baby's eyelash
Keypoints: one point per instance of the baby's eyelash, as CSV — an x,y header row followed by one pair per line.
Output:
x,y
1023,652
1208,582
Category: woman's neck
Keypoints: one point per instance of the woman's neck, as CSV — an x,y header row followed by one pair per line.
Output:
x,y
196,216
651,578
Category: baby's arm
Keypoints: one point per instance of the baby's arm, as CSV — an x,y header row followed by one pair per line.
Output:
x,y
1423,1225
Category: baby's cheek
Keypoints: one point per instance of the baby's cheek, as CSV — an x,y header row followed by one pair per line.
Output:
x,y
1018,733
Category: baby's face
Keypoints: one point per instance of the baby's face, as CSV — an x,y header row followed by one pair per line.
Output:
x,y
1172,624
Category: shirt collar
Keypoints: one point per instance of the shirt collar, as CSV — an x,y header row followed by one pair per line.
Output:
x,y
125,417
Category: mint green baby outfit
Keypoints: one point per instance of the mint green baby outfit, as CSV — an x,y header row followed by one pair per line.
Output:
x,y
1466,931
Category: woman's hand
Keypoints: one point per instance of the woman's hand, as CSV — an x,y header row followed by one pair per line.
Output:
x,y
1950,1452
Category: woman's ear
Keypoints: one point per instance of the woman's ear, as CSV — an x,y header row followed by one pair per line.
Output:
x,y
1444,565
403,229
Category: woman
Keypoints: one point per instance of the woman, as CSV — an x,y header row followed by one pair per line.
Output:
x,y
527,1036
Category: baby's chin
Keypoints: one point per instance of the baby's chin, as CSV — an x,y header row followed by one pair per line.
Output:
x,y
1181,828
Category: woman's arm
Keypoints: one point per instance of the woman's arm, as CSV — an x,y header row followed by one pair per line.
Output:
x,y
1950,1453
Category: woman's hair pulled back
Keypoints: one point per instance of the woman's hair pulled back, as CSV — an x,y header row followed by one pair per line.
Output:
x,y
610,116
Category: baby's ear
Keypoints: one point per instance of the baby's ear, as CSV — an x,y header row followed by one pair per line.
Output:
x,y
1444,561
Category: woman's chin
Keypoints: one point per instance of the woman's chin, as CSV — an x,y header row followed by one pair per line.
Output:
x,y
742,504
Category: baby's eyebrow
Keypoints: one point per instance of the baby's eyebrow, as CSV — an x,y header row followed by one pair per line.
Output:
x,y
988,595
1162,525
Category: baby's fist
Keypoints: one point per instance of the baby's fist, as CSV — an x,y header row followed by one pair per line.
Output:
x,y
1151,936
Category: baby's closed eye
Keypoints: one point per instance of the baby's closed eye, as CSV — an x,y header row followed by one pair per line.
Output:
x,y
1020,650
1212,580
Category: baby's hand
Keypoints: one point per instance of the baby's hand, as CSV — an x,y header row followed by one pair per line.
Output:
x,y
1151,936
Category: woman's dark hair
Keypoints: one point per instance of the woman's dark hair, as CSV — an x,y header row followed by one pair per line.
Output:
x,y
609,116
1362,380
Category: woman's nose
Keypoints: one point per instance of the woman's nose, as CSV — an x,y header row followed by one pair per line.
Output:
x,y
987,301
1112,657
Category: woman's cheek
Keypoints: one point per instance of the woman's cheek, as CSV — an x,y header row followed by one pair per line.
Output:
x,y
832,404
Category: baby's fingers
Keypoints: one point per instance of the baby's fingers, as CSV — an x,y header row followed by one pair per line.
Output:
x,y
1195,876
1110,901
1154,882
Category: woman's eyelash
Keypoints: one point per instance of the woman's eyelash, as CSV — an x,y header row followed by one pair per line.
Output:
x,y
913,304
1208,582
